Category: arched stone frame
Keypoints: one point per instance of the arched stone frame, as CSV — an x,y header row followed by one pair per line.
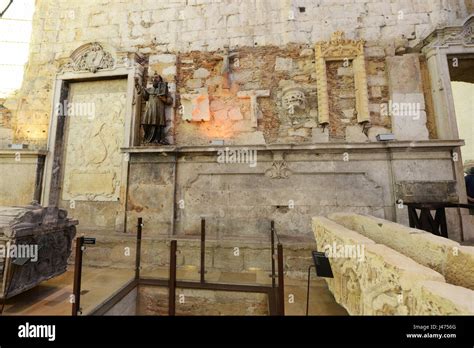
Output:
x,y
437,47
340,48
91,62
441,43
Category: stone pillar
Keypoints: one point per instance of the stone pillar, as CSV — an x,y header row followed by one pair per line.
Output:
x,y
322,85
360,78
438,68
407,102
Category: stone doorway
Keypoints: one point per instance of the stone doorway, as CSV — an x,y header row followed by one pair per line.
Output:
x,y
461,72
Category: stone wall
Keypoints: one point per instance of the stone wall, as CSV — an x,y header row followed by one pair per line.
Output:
x,y
373,279
21,175
463,93
171,190
154,27
278,73
154,301
6,132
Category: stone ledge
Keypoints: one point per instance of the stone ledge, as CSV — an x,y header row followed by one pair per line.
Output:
x,y
25,152
369,146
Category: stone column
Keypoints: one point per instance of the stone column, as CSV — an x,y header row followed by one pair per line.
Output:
x,y
439,75
322,85
407,102
360,78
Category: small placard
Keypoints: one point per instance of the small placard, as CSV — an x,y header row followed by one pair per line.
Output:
x,y
89,241
323,267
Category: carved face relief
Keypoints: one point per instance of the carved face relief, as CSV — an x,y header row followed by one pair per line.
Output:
x,y
293,98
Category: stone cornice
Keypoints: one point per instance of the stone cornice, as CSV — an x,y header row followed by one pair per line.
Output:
x,y
395,145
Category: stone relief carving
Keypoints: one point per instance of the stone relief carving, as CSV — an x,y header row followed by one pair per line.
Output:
x,y
91,57
384,282
92,169
255,112
293,99
340,48
361,287
451,35
279,170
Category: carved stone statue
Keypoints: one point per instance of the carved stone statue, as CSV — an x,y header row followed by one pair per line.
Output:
x,y
154,118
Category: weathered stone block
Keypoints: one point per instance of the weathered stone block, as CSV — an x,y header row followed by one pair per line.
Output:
x,y
426,191
283,64
445,256
355,134
201,73
460,267
320,135
195,107
235,114
386,282
194,83
436,298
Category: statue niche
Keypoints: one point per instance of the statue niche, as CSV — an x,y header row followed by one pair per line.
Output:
x,y
154,119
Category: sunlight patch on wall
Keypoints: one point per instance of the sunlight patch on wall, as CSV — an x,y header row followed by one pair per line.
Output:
x,y
15,34
463,94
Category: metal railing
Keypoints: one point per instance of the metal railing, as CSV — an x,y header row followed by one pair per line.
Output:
x,y
275,291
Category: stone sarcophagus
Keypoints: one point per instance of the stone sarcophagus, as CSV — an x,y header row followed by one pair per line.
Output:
x,y
35,244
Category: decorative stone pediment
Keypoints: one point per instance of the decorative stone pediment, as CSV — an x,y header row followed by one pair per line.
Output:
x,y
338,47
455,35
90,57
